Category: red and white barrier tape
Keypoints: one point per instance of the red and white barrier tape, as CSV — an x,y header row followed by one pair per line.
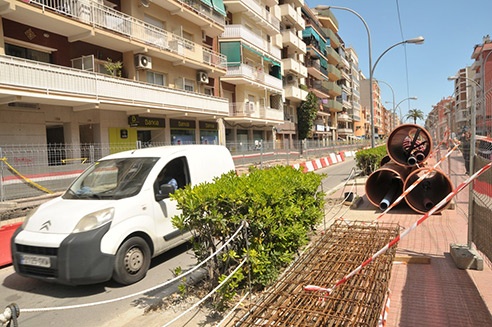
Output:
x,y
414,184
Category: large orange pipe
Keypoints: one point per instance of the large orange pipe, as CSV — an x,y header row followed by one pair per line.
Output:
x,y
429,192
409,145
384,185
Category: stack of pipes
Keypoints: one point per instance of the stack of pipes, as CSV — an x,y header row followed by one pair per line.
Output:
x,y
408,147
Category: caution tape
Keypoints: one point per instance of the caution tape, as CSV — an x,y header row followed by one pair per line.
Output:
x,y
328,291
414,184
85,305
24,178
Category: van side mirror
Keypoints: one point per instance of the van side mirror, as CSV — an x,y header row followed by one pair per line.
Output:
x,y
164,191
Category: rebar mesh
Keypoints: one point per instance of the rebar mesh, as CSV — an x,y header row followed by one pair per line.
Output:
x,y
357,302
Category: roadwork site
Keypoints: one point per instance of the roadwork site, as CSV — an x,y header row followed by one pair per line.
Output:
x,y
301,298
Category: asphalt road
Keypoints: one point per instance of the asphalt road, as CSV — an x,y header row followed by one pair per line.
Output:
x,y
32,295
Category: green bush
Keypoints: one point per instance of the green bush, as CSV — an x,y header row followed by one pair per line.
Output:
x,y
368,160
280,205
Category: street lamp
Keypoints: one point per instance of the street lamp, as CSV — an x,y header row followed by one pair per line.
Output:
x,y
393,110
473,127
417,40
409,98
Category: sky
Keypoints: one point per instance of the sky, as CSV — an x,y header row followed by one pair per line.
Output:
x,y
451,29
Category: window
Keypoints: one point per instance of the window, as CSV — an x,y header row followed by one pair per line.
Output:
x,y
156,78
185,84
208,90
26,53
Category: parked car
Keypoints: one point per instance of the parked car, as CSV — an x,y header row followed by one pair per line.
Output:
x,y
115,216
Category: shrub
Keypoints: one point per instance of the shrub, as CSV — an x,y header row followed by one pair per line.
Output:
x,y
368,160
280,205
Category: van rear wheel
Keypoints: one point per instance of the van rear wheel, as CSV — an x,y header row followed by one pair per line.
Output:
x,y
132,261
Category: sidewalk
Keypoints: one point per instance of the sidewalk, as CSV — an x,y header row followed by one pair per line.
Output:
x,y
435,293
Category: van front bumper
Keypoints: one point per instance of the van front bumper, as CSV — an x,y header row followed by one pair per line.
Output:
x,y
77,261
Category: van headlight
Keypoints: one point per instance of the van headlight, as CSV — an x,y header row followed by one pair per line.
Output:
x,y
94,220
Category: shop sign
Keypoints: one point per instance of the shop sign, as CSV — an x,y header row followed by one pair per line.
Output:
x,y
208,125
137,121
182,124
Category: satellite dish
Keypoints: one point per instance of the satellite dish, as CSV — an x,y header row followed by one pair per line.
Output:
x,y
145,3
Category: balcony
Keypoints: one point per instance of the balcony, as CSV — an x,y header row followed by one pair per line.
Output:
x,y
288,12
294,93
344,117
333,56
239,31
246,74
289,38
334,40
345,131
314,69
90,22
333,89
36,82
328,20
334,105
251,111
255,12
334,73
292,65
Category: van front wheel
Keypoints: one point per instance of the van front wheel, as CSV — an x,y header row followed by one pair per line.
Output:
x,y
132,261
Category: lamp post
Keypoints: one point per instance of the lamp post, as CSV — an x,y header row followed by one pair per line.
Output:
x,y
409,98
473,128
393,110
417,40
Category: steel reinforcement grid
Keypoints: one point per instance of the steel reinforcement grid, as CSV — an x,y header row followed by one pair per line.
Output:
x,y
357,302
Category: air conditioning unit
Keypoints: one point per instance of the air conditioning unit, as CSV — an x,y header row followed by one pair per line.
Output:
x,y
143,61
291,78
202,77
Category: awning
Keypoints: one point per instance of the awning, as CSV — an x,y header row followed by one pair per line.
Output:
x,y
219,6
207,2
232,50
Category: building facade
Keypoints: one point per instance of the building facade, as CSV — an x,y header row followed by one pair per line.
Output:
x,y
111,72
171,72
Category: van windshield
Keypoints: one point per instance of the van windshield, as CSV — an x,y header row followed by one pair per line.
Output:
x,y
111,179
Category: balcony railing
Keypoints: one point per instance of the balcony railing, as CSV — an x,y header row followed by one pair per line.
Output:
x,y
287,10
252,110
105,17
239,31
249,72
69,84
258,10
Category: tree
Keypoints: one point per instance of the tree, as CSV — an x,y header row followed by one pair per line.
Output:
x,y
415,114
306,114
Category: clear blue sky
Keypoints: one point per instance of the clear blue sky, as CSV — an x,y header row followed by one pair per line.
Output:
x,y
451,29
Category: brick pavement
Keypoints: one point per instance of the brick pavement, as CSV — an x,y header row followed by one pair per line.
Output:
x,y
437,293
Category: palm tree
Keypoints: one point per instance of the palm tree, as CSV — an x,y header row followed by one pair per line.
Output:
x,y
415,114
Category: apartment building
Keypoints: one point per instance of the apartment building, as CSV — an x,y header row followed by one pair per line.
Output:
x,y
483,76
377,107
294,70
463,102
112,72
253,81
321,60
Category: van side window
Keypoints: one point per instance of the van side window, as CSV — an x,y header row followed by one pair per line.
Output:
x,y
174,173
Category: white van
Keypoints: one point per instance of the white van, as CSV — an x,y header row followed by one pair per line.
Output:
x,y
115,216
